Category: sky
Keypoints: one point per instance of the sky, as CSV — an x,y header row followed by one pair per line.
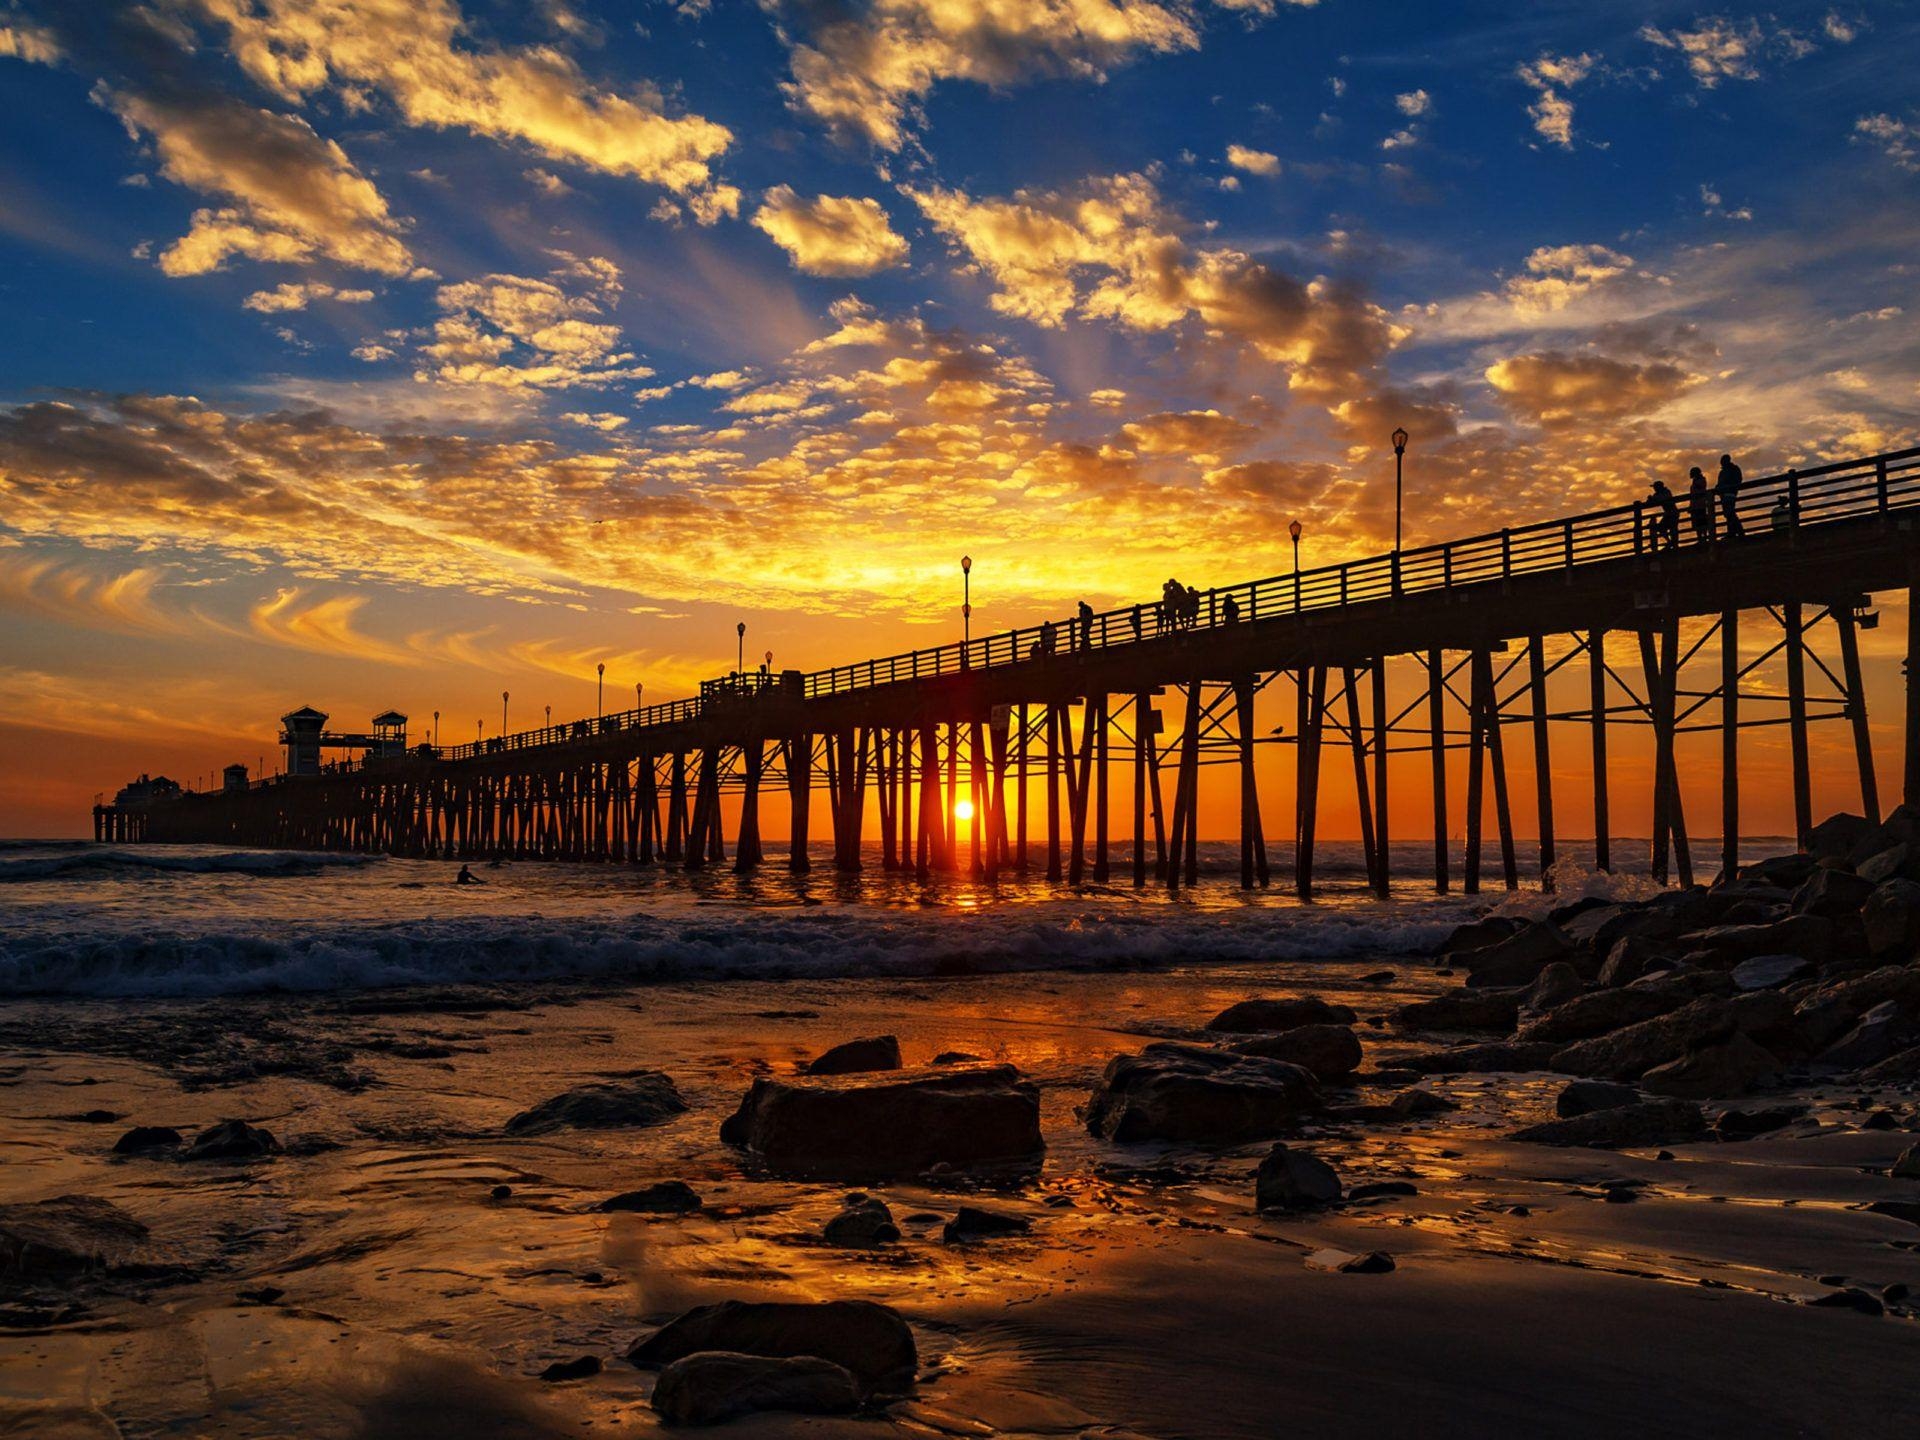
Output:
x,y
370,353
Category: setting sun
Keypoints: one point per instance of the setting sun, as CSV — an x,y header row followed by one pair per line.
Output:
x,y
963,810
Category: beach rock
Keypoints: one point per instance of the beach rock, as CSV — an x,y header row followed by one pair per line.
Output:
x,y
1628,1053
1519,958
582,1367
1605,1011
1631,957
973,1223
643,1097
1286,1013
1907,1210
66,1236
144,1139
1294,1180
232,1140
1907,1167
1472,1010
1836,837
1746,1124
1769,972
870,1341
1478,934
1416,1104
1823,1016
1198,1095
668,1197
1655,1122
875,1125
1832,893
1785,871
1382,1189
1809,936
1891,918
1374,1262
1896,862
880,1052
862,1224
1330,1052
957,1057
1732,1067
1553,986
1853,1299
1883,1031
1496,1058
716,1385
1583,920
1585,1097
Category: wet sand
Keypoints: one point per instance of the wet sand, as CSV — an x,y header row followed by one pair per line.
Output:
x,y
1149,1298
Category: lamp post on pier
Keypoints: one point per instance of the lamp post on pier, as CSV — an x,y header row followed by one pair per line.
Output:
x,y
503,713
740,657
1294,531
1399,438
549,719
600,692
966,599
436,730
636,695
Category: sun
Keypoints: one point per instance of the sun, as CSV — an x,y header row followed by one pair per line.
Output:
x,y
963,809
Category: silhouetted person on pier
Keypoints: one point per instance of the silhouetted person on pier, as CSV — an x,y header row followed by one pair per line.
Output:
x,y
1727,487
1231,608
1666,525
1048,637
1086,626
1136,622
1781,516
1192,606
1700,506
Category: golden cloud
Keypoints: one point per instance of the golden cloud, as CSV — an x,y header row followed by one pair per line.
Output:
x,y
831,234
1557,389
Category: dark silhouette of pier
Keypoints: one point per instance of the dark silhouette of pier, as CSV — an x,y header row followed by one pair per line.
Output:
x,y
1463,625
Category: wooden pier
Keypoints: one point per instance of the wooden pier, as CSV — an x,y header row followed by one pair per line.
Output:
x,y
1420,653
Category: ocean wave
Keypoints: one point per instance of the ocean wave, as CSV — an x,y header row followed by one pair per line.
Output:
x,y
81,864
809,944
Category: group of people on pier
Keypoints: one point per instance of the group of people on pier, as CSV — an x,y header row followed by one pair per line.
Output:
x,y
1710,507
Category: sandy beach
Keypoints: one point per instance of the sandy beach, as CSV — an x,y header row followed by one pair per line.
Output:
x,y
405,1267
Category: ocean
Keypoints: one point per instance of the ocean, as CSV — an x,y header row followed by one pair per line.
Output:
x,y
181,921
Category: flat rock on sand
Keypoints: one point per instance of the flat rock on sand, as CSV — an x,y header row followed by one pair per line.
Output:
x,y
897,1122
64,1236
878,1052
716,1385
644,1097
871,1342
1331,1052
1191,1093
1657,1122
1285,1013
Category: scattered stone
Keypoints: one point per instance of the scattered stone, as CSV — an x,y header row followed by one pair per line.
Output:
x,y
1880,1120
1837,836
232,1140
1895,1293
1607,1010
1417,1103
643,1097
880,1052
869,1341
667,1197
1884,1031
1732,1067
1585,1097
1810,936
1496,1057
580,1368
1907,1167
66,1236
716,1385
1199,1095
1381,1189
1891,918
144,1139
863,1224
1478,934
1832,893
956,1057
1901,1066
1374,1262
972,1223
1631,957
1618,1195
1555,985
1377,977
1850,1298
1769,972
871,1126
1253,1016
1294,1180
1330,1052
1907,1210
93,1117
262,1295
1656,1122
1628,1053
1746,1124
501,1192
1520,958
1495,1010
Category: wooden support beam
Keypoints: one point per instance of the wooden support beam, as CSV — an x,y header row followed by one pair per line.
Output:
x,y
1383,872
1314,686
1842,612
677,809
1662,758
1729,743
1437,751
1020,788
1102,798
1497,763
1363,795
1797,723
1190,764
1670,668
1542,757
1910,733
1479,683
1597,719
1054,723
747,853
950,855
1141,719
977,788
1249,812
799,766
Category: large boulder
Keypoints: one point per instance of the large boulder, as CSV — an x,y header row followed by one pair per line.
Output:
x,y
1629,1053
1493,1058
1832,893
1657,921
1884,1031
1474,1010
1294,1180
232,1140
66,1236
886,1123
1829,1012
1657,1122
1555,985
1836,837
1810,936
880,1052
1478,934
869,1341
716,1385
1770,972
1606,1010
642,1097
1584,1097
1732,1067
1251,1017
667,1197
1331,1052
1896,862
863,1223
1891,918
1194,1094
1520,957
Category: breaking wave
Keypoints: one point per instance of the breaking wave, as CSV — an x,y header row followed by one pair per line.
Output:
x,y
80,863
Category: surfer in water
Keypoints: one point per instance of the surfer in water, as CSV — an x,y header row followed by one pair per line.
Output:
x,y
467,877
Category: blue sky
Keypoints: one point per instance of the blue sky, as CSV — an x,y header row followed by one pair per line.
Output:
x,y
432,348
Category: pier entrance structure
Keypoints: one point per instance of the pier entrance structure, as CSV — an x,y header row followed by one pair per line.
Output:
x,y
1422,652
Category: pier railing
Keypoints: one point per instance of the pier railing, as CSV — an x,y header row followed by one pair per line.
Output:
x,y
1798,499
